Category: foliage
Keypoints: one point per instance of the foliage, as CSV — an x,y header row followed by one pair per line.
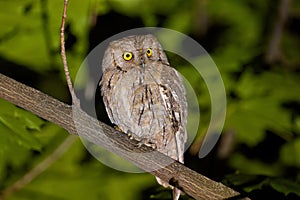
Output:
x,y
263,96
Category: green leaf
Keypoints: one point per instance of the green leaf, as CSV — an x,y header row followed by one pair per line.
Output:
x,y
18,130
13,153
290,153
18,125
285,186
260,106
92,179
247,182
251,166
239,179
250,183
29,33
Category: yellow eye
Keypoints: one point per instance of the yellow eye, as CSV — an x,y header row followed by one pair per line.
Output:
x,y
149,52
127,56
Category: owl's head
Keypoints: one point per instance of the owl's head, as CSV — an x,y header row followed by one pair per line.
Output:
x,y
133,51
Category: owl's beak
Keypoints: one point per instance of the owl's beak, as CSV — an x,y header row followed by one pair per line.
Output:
x,y
142,63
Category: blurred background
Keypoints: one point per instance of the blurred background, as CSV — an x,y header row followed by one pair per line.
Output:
x,y
255,45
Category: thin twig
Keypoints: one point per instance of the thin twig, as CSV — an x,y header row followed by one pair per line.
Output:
x,y
64,57
273,53
40,168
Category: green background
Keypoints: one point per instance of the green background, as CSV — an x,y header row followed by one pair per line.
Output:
x,y
259,150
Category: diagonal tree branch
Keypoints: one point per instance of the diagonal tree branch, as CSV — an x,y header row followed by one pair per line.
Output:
x,y
75,121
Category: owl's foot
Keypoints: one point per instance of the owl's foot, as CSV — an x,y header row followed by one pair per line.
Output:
x,y
176,192
118,128
130,135
146,142
141,141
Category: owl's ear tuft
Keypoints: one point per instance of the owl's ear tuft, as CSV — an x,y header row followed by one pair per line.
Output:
x,y
108,59
162,56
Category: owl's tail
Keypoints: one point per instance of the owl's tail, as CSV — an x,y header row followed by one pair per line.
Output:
x,y
176,193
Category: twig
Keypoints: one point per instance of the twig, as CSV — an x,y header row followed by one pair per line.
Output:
x,y
189,181
40,168
273,53
76,101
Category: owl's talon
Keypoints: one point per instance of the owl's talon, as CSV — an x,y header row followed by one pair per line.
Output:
x,y
153,146
118,128
130,135
147,143
139,145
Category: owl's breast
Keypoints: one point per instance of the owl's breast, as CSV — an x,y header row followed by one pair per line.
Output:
x,y
140,102
148,108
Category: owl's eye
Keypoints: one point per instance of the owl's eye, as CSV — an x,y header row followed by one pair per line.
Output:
x,y
127,56
149,52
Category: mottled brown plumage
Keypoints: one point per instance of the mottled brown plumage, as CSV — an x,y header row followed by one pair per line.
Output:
x,y
144,96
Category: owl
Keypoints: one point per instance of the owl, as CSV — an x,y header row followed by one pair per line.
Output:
x,y
144,96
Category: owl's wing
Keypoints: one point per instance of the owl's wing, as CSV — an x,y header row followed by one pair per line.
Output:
x,y
108,85
175,95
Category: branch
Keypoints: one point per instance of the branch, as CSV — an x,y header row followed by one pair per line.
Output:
x,y
78,122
